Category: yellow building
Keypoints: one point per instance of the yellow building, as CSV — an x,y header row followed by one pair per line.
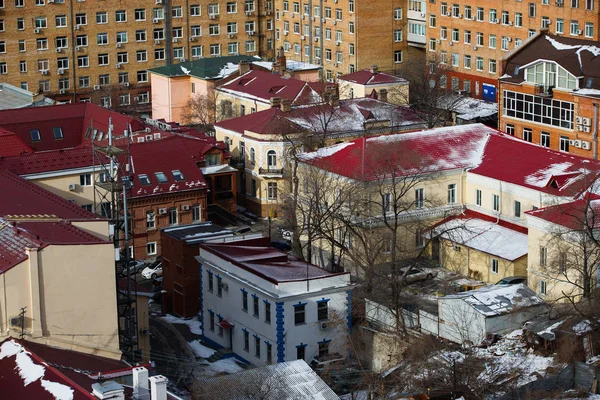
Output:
x,y
57,265
372,83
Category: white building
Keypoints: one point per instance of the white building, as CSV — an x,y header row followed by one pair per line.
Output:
x,y
268,306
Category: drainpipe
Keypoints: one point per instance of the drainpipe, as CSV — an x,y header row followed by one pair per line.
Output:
x,y
595,132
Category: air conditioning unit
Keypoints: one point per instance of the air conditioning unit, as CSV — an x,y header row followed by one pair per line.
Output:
x,y
185,207
586,129
585,121
577,143
77,27
50,1
510,23
324,326
316,39
580,128
156,135
118,66
338,43
302,37
155,20
248,13
140,140
192,39
303,16
148,137
96,87
37,30
15,321
148,130
212,16
334,22
161,211
460,16
59,49
509,39
61,71
119,45
72,187
44,72
62,91
285,33
251,33
451,44
579,32
157,41
448,14
585,145
579,120
159,1
78,48
438,41
175,40
126,84
475,48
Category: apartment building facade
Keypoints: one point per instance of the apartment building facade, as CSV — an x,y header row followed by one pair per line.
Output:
x,y
101,51
471,38
348,35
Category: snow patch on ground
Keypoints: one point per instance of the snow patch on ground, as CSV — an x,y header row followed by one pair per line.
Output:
x,y
200,350
227,365
194,325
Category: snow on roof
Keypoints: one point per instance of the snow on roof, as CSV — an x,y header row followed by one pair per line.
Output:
x,y
295,378
291,65
485,236
540,177
496,300
326,151
468,108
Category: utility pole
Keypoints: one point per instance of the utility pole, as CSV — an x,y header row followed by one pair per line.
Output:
x,y
22,315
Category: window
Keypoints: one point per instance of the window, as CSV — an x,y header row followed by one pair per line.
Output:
x,y
589,29
452,193
269,353
35,135
496,202
141,56
246,341
267,312
84,81
85,179
560,25
121,16
196,215
140,14
494,265
151,248
397,13
322,310
150,220
272,190
299,314
244,301
101,18
574,28
57,132
103,59
255,307
177,175
300,352
172,216
195,10
542,287
256,346
545,139
478,197
543,256
564,144
398,56
419,198
517,209
212,320
323,349
527,134
219,286
531,10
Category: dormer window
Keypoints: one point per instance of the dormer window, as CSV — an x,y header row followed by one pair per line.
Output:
x,y
550,75
57,132
213,159
144,180
161,177
177,175
35,135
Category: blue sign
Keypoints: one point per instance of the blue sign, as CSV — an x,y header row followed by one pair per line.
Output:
x,y
488,93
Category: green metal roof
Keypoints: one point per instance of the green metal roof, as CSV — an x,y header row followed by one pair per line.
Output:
x,y
204,68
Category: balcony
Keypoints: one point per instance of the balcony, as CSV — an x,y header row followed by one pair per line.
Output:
x,y
271,171
237,162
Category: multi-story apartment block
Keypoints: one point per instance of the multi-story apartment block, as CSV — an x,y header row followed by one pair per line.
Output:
x,y
101,51
268,306
549,94
473,37
348,35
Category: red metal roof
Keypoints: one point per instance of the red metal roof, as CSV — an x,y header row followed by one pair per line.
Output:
x,y
48,161
11,144
73,119
24,375
166,155
258,257
59,233
13,243
368,77
263,85
28,199
578,215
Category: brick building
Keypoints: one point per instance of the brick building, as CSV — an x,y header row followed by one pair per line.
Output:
x,y
473,37
348,35
548,93
100,51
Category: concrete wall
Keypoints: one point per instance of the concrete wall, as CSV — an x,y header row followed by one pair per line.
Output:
x,y
58,183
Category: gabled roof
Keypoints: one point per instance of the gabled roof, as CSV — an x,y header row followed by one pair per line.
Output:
x,y
368,77
26,199
23,375
287,380
405,154
578,215
262,85
59,233
495,300
12,97
167,155
349,116
259,258
536,167
12,145
204,68
73,119
577,56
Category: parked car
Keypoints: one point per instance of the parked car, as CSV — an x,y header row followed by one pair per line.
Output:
x,y
152,272
333,361
242,230
281,245
135,266
512,280
416,275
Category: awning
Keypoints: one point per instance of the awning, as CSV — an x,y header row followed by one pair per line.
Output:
x,y
225,324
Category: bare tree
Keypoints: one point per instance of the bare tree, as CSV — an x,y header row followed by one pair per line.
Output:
x,y
201,109
431,95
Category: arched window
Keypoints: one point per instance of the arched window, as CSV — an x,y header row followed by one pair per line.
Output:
x,y
271,159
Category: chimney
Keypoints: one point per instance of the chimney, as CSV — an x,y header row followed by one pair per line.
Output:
x,y
140,383
158,387
280,64
243,67
383,95
374,69
110,390
275,101
286,105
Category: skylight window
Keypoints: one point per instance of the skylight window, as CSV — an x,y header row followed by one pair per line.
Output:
x,y
88,132
162,178
177,175
35,135
58,133
144,180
